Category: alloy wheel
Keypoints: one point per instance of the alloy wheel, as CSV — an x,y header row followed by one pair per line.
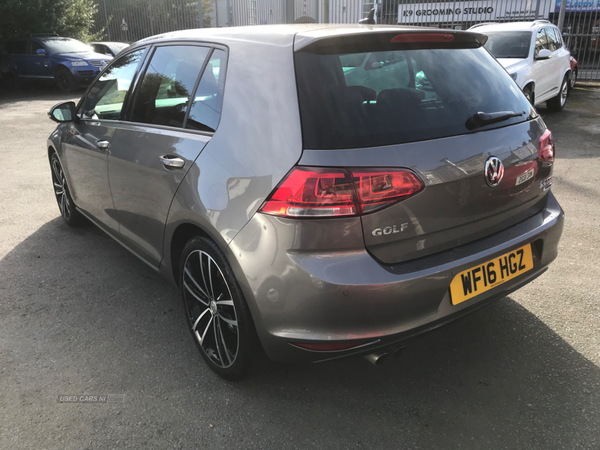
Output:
x,y
564,92
61,189
210,309
63,82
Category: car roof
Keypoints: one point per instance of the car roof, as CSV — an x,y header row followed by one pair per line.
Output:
x,y
510,26
110,43
271,34
53,38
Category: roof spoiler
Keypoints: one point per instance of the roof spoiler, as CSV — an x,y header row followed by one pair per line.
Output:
x,y
386,39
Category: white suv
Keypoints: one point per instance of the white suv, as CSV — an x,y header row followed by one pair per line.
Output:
x,y
534,55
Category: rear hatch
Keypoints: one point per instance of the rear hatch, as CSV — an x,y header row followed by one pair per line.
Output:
x,y
435,104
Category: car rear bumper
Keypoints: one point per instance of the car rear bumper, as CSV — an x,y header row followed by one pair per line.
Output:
x,y
331,294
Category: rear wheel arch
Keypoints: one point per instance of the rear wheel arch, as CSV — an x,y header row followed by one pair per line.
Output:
x,y
180,237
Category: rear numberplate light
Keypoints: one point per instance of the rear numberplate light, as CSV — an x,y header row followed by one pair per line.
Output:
x,y
546,147
329,192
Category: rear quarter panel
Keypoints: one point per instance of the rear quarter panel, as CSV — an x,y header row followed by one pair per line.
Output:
x,y
257,142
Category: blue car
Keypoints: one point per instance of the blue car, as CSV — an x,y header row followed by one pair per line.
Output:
x,y
69,62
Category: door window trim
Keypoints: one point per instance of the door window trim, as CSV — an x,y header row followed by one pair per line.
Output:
x,y
131,88
140,76
535,49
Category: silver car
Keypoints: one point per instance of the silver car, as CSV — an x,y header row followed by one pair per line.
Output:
x,y
305,210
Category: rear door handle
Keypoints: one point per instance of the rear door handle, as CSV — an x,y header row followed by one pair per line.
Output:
x,y
172,162
103,144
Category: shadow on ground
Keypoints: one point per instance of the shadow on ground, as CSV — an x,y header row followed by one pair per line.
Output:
x,y
80,315
36,91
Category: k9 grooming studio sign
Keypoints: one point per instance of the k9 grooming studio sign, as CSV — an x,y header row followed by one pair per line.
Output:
x,y
472,11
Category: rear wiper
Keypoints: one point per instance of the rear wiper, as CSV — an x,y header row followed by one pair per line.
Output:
x,y
480,119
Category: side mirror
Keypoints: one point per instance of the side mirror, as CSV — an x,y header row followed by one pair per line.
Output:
x,y
63,112
544,54
41,51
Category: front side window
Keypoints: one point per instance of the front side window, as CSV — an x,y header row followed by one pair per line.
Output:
x,y
105,98
166,89
541,41
513,44
34,47
554,42
205,112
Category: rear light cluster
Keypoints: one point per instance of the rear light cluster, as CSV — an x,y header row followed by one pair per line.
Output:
x,y
328,192
546,147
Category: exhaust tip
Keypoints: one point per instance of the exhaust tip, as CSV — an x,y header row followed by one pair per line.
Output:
x,y
377,358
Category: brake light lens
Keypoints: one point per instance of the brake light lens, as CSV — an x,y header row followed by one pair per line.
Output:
x,y
325,192
377,188
546,147
423,37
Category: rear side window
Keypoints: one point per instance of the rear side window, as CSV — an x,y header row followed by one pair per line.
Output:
x,y
205,112
17,47
166,89
366,99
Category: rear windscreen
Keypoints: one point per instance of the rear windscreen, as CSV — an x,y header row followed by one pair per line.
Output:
x,y
366,99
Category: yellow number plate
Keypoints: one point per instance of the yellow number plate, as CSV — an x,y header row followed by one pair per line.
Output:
x,y
482,278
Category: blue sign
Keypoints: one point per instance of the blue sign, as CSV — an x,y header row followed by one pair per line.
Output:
x,y
579,5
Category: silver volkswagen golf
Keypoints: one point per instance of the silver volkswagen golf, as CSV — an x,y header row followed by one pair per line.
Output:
x,y
315,191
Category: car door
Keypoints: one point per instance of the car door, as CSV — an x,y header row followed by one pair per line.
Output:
x,y
542,68
560,56
152,152
18,57
87,142
37,64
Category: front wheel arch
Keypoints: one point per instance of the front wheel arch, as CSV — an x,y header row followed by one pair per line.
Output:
x,y
531,87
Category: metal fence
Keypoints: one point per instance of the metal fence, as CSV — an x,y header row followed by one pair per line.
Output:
x,y
130,20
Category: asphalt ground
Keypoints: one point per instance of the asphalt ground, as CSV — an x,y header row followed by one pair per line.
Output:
x,y
79,315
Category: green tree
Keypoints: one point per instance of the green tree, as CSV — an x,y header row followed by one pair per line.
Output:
x,y
72,18
207,8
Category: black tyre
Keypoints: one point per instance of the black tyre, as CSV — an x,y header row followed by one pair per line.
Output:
x,y
63,197
64,80
217,314
529,95
572,79
557,103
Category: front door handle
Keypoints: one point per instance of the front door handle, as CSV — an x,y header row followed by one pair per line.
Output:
x,y
172,162
103,144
